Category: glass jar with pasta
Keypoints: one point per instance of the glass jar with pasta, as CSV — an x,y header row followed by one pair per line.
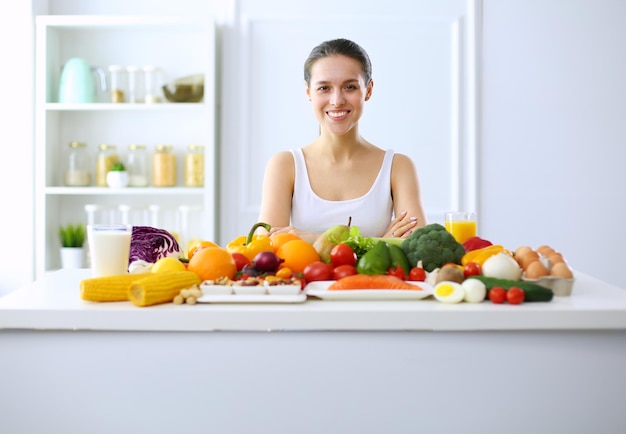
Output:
x,y
107,157
194,166
164,166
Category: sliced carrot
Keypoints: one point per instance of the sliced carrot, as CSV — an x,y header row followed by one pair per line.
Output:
x,y
366,281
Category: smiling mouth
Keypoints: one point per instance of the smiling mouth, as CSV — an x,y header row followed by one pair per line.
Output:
x,y
337,114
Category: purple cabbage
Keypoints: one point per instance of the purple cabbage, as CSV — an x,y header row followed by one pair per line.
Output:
x,y
151,244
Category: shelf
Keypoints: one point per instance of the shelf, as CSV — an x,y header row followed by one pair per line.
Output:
x,y
116,21
179,46
129,191
55,106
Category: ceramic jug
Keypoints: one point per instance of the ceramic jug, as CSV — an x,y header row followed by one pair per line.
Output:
x,y
77,84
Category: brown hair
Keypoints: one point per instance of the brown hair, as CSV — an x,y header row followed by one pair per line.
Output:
x,y
342,47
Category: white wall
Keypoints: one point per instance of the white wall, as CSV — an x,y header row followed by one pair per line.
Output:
x,y
553,136
16,122
554,129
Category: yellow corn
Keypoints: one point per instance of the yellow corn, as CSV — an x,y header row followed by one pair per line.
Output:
x,y
161,287
109,288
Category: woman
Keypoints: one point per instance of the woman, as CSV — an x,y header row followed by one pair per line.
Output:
x,y
340,175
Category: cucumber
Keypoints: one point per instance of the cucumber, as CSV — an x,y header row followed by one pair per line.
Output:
x,y
532,291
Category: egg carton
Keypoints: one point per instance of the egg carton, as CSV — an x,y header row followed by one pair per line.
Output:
x,y
560,286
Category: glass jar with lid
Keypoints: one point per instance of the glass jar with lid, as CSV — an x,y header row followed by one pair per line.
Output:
x,y
137,166
152,84
164,166
194,166
77,173
117,85
107,157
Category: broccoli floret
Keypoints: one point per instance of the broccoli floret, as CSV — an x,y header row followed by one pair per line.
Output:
x,y
432,245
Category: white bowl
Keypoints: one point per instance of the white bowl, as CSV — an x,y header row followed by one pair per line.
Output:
x,y
210,289
284,289
249,290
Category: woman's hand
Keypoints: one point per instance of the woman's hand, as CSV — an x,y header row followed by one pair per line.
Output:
x,y
306,236
401,227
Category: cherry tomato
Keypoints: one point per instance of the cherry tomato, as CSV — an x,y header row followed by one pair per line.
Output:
x,y
344,271
472,269
396,271
284,272
240,260
515,295
497,294
342,254
318,270
417,274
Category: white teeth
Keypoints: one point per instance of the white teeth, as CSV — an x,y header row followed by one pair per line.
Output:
x,y
337,114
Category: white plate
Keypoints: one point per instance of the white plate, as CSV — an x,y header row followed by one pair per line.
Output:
x,y
320,290
257,298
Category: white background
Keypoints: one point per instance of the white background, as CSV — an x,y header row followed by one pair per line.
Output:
x,y
552,130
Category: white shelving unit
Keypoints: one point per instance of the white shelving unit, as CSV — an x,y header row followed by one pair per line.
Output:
x,y
179,46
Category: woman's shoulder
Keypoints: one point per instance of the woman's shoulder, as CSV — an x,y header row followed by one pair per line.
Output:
x,y
281,157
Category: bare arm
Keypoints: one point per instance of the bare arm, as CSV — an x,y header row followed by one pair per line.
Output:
x,y
278,185
407,199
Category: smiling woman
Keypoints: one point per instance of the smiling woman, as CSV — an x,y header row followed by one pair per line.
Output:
x,y
340,175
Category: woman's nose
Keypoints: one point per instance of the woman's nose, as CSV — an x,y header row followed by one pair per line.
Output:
x,y
337,98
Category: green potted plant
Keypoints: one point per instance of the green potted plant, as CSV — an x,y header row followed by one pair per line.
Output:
x,y
72,237
117,176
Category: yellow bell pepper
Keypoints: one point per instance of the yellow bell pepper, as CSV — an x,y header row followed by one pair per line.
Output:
x,y
252,244
479,256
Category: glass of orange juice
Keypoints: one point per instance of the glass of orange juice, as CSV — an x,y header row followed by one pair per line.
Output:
x,y
462,225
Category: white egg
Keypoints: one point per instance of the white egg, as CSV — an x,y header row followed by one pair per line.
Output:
x,y
475,290
449,292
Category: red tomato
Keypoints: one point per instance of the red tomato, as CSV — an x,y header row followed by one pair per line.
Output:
x,y
240,260
472,269
318,270
497,294
417,274
515,295
342,254
396,271
343,271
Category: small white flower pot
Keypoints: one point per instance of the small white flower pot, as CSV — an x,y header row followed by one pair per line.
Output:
x,y
117,179
72,257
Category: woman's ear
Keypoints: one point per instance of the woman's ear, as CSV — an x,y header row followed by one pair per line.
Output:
x,y
307,91
368,92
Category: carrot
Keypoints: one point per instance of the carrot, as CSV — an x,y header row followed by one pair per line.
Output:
x,y
366,281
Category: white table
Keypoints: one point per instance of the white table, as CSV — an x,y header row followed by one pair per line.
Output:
x,y
317,367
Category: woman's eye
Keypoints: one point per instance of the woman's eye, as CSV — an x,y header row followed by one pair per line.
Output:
x,y
351,87
322,88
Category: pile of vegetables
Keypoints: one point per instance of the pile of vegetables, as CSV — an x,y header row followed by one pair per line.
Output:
x,y
148,245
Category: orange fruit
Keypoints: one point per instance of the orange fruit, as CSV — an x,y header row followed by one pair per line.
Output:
x,y
278,240
199,245
297,254
211,263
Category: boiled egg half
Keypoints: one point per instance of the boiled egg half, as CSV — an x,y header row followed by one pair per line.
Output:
x,y
449,292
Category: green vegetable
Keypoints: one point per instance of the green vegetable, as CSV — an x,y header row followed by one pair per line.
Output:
x,y
399,259
360,244
532,291
432,245
117,167
376,261
72,235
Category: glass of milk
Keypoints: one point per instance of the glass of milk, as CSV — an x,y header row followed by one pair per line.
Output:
x,y
109,248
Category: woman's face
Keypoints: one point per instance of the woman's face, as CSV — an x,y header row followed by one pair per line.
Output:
x,y
338,92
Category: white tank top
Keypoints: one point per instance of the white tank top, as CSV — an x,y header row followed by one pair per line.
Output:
x,y
371,213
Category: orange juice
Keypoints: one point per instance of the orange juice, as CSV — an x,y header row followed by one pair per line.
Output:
x,y
461,230
462,225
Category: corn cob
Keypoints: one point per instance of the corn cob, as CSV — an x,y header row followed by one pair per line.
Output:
x,y
109,288
161,287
